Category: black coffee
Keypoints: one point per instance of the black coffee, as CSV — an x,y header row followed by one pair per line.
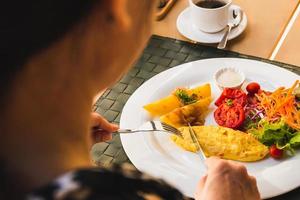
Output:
x,y
210,4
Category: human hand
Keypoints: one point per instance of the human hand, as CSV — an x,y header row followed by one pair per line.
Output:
x,y
226,180
101,129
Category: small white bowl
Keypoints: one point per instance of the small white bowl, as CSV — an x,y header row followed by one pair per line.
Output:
x,y
229,77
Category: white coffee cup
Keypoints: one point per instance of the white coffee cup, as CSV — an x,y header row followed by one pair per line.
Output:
x,y
212,20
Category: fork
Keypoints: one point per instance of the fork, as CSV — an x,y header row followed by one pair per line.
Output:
x,y
154,126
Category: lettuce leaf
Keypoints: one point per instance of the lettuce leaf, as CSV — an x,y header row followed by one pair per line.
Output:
x,y
278,133
295,141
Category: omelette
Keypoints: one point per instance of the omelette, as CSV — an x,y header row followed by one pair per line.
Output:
x,y
223,142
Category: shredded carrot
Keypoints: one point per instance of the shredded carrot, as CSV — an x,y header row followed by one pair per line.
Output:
x,y
281,104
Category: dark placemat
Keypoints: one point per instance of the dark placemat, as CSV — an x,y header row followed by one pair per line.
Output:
x,y
160,54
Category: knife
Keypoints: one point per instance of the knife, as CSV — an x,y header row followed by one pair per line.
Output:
x,y
196,142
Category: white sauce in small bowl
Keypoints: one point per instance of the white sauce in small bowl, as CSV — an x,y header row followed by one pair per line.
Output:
x,y
229,78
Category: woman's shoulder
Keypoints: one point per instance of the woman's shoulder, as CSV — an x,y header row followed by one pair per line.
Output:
x,y
115,182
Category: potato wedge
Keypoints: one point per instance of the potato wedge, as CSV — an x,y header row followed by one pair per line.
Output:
x,y
169,103
223,142
194,113
202,91
163,105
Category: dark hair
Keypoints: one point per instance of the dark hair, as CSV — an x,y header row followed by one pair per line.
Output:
x,y
27,26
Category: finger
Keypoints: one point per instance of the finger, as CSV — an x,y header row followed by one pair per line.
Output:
x,y
95,119
211,161
215,163
96,136
253,183
202,181
239,169
200,187
99,121
106,137
252,180
252,190
101,136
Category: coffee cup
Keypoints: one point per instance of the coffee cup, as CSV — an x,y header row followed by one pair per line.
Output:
x,y
212,15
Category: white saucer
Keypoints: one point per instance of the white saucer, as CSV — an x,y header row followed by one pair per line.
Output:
x,y
187,29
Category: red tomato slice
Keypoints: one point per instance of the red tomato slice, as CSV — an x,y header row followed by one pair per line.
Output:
x,y
242,100
236,95
220,100
230,116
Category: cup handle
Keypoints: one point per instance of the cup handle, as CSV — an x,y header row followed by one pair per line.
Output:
x,y
235,14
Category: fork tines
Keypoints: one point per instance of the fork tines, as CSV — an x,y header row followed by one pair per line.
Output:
x,y
171,129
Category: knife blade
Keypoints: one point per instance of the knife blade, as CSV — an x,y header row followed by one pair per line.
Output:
x,y
196,142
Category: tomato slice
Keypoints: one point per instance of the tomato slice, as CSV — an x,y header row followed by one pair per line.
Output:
x,y
220,100
236,95
242,100
230,116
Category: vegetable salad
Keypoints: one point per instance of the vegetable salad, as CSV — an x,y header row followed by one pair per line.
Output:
x,y
271,117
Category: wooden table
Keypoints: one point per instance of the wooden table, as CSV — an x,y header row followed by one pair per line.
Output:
x,y
266,22
290,49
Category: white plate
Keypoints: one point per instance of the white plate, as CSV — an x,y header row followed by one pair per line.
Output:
x,y
157,155
187,29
